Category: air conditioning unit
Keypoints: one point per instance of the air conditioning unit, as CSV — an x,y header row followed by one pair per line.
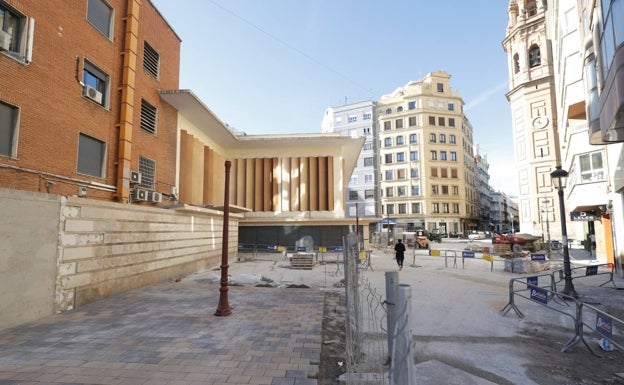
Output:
x,y
82,191
5,41
153,196
135,177
92,93
139,195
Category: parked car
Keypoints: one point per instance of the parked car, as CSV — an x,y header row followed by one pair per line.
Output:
x,y
440,233
474,235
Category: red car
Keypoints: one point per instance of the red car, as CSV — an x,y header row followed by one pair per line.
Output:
x,y
526,241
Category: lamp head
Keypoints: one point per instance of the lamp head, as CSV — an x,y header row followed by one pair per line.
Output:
x,y
559,178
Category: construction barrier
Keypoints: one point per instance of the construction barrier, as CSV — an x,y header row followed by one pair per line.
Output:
x,y
591,271
585,317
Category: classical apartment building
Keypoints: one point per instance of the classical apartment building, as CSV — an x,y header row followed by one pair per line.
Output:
x,y
358,119
428,174
582,46
533,111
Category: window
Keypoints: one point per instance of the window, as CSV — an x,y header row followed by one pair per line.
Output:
x,y
413,138
415,191
387,125
451,107
400,157
456,208
454,173
535,57
402,208
414,156
516,62
442,155
353,195
367,131
388,142
9,118
444,172
591,167
452,139
94,78
401,191
432,120
368,178
432,138
434,189
389,192
388,158
147,168
388,111
398,123
442,138
434,172
412,121
389,175
445,190
441,122
411,105
14,25
415,208
389,209
151,60
455,190
400,140
399,109
436,208
368,146
91,156
401,173
445,208
368,162
453,156
451,122
434,155
440,87
369,194
100,15
352,119
149,114
414,173
367,116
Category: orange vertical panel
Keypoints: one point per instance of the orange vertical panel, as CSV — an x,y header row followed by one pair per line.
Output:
x,y
322,183
249,184
606,225
285,187
186,167
294,184
258,184
267,182
233,181
331,188
241,170
314,184
304,183
275,186
209,176
198,172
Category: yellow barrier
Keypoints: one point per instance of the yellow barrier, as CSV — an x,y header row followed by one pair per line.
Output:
x,y
435,253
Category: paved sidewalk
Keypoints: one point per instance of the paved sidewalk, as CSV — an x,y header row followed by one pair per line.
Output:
x,y
168,334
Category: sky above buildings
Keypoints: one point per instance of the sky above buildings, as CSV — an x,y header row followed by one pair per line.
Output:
x,y
274,66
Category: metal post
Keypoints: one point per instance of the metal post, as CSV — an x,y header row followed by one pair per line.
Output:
x,y
402,365
567,272
392,280
223,309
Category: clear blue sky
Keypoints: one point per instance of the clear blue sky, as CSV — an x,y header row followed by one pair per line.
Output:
x,y
274,66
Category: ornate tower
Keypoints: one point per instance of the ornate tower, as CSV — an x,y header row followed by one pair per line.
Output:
x,y
532,100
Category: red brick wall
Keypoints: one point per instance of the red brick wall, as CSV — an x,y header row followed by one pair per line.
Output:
x,y
54,112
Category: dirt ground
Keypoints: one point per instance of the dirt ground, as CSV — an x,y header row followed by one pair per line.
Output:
x,y
548,365
333,339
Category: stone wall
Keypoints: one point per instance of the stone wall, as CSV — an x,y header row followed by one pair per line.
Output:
x,y
64,252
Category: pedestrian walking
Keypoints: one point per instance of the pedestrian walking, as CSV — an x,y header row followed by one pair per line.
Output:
x,y
399,250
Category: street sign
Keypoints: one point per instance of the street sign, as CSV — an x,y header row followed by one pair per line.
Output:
x,y
582,216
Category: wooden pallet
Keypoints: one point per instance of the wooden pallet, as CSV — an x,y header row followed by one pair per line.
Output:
x,y
302,261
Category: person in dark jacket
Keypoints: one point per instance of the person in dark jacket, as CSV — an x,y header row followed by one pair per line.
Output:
x,y
399,249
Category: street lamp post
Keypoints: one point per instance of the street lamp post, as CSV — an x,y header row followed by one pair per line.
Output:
x,y
547,214
559,178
